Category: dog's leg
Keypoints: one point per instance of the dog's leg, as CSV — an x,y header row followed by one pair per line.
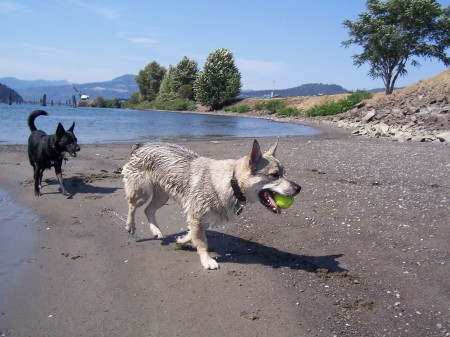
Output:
x,y
198,234
41,174
58,173
159,199
136,198
37,180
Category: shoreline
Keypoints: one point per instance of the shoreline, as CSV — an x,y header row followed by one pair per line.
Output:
x,y
363,249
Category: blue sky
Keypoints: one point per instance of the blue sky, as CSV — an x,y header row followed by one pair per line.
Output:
x,y
277,44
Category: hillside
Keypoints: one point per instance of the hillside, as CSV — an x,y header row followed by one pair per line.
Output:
x,y
120,87
17,84
419,112
310,89
8,95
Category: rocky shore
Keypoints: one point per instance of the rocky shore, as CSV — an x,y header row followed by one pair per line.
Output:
x,y
420,112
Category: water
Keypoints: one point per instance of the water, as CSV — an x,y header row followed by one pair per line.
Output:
x,y
95,125
16,241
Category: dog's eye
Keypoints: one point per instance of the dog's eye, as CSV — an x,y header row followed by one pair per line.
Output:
x,y
275,175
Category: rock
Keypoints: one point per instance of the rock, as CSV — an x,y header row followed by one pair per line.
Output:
x,y
420,112
402,137
383,129
444,136
407,126
423,138
368,117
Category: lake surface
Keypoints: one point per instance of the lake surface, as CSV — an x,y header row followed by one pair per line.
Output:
x,y
98,125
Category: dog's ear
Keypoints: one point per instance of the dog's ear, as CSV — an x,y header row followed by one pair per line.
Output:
x,y
60,131
255,154
72,127
272,150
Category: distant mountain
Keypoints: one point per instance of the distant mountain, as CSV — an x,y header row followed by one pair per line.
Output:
x,y
311,89
124,86
17,84
62,91
8,95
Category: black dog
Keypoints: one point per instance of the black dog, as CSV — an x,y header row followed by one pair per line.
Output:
x,y
45,151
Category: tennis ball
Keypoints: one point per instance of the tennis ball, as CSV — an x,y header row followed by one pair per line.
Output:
x,y
283,201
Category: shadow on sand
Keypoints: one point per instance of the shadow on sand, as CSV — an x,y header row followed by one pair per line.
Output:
x,y
76,185
230,248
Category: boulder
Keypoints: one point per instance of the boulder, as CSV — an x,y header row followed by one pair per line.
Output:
x,y
368,117
444,136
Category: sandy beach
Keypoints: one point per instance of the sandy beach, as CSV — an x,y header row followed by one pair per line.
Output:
x,y
364,251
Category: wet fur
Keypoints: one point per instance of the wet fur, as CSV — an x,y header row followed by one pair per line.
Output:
x,y
45,151
159,171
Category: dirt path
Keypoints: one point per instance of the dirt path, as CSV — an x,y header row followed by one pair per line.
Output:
x,y
363,252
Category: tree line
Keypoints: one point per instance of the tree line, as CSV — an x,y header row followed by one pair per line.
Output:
x,y
184,84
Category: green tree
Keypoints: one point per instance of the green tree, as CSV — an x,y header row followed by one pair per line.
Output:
x,y
220,80
184,78
114,103
149,80
393,32
179,80
134,98
99,102
167,84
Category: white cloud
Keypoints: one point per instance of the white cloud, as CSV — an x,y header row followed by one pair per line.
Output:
x,y
146,41
107,12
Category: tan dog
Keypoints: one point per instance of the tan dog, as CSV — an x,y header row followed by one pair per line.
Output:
x,y
210,191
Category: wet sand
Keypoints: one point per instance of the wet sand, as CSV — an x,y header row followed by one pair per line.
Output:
x,y
363,251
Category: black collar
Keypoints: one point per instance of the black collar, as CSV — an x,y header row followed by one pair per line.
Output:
x,y
239,206
236,189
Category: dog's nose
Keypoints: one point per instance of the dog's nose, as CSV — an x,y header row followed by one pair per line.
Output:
x,y
297,189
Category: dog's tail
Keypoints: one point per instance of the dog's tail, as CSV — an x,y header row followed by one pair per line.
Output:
x,y
33,116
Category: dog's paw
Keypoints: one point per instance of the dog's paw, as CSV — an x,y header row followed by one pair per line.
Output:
x,y
130,229
156,232
210,264
185,239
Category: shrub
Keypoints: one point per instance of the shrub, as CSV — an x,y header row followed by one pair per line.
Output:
x,y
100,102
288,111
259,106
343,105
241,108
273,105
277,107
176,105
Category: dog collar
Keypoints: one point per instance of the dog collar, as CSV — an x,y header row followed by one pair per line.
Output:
x,y
239,207
237,190
53,147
